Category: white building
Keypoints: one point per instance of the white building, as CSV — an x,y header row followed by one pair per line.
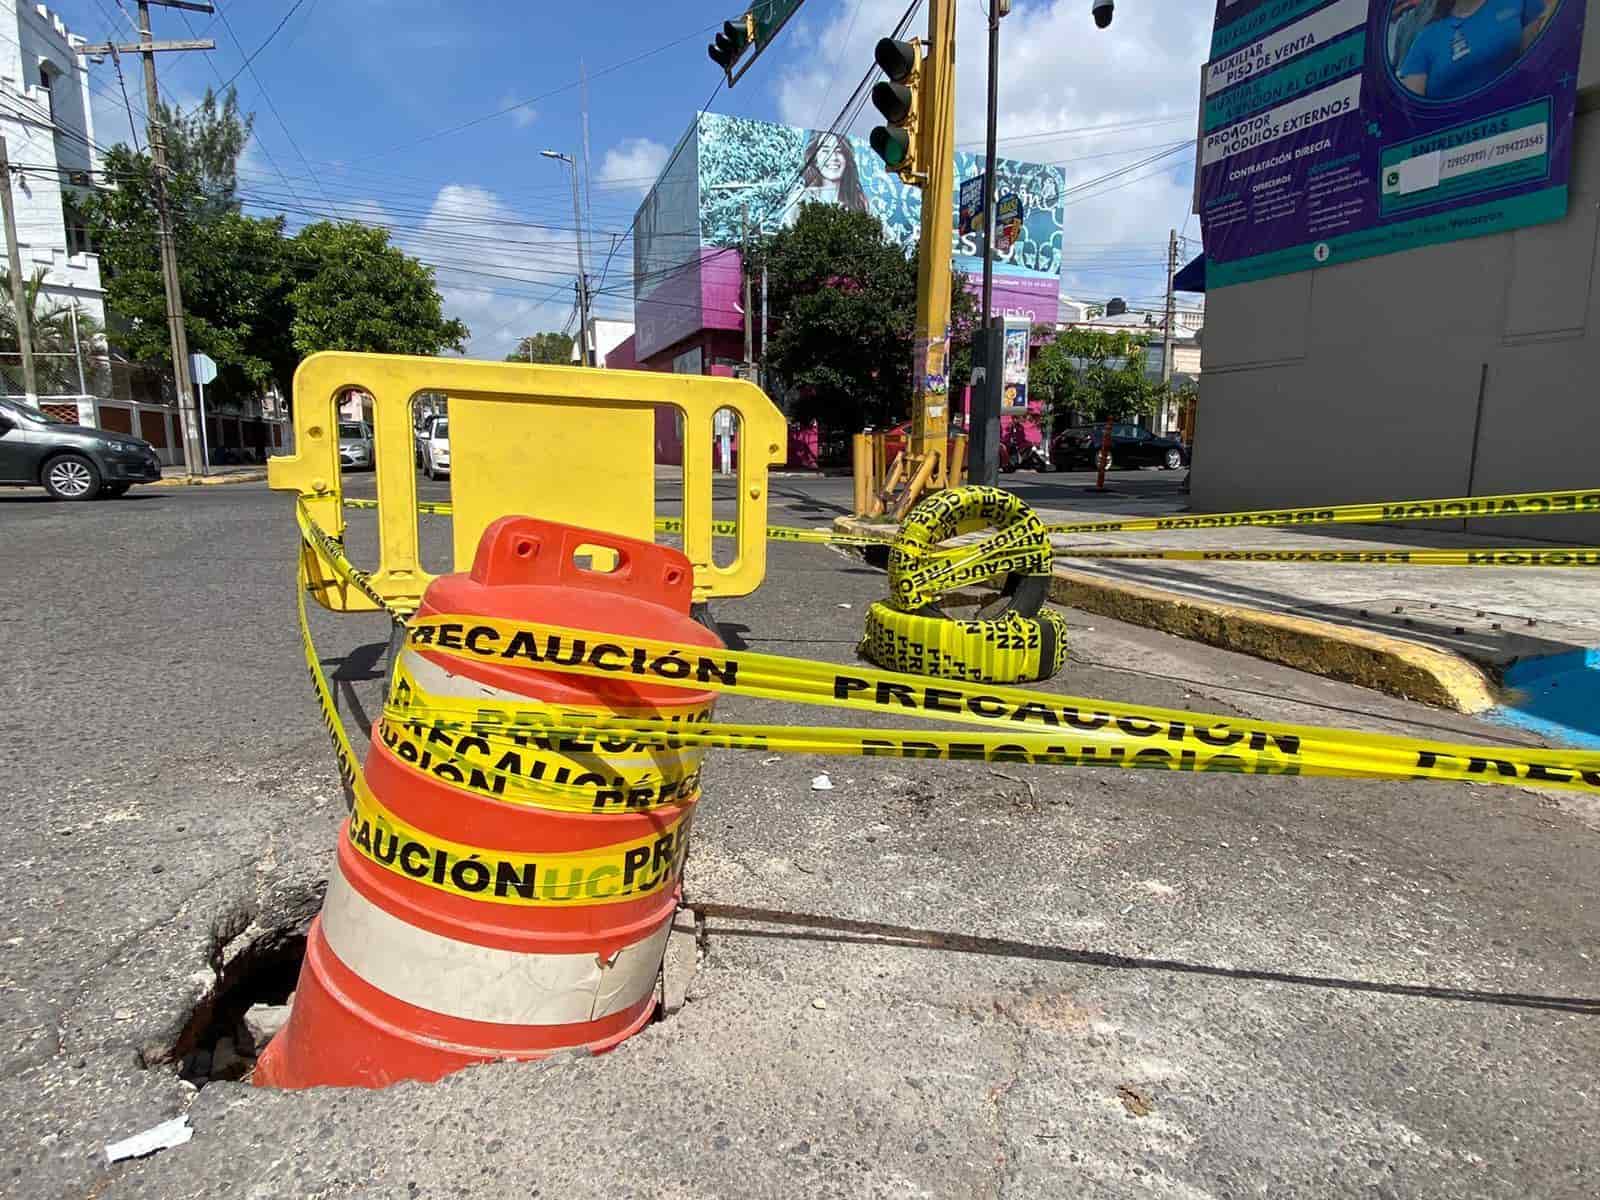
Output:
x,y
49,132
604,337
1117,317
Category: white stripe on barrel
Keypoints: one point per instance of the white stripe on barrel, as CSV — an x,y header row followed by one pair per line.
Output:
x,y
482,983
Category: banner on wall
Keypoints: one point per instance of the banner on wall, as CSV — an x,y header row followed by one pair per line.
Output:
x,y
1334,130
769,170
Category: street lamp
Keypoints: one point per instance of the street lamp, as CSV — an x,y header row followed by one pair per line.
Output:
x,y
577,233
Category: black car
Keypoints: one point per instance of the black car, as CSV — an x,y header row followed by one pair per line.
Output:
x,y
1131,446
71,462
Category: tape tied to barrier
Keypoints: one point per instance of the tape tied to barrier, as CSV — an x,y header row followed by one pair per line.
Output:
x,y
965,563
1167,733
1020,726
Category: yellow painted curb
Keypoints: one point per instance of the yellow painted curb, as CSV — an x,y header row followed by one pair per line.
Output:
x,y
252,476
1387,664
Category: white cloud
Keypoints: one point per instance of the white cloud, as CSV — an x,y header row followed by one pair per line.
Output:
x,y
633,161
523,115
1057,73
505,277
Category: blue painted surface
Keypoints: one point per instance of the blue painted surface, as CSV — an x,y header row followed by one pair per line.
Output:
x,y
1557,697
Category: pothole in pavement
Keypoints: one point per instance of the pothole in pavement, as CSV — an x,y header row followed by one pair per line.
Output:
x,y
257,969
230,1026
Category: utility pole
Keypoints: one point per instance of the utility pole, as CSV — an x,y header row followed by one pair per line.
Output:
x,y
19,291
983,422
577,233
1167,324
147,47
749,313
930,384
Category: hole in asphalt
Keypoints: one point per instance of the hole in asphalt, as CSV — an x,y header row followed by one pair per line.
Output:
x,y
232,1023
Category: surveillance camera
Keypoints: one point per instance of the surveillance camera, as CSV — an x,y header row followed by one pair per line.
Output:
x,y
1103,10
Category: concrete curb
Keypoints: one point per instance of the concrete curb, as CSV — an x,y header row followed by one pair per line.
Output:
x,y
1374,660
249,476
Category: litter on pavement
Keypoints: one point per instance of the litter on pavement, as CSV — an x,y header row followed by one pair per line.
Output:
x,y
158,1137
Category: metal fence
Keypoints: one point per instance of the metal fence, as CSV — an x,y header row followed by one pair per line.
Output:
x,y
68,376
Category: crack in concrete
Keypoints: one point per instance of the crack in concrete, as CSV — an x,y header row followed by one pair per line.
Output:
x,y
1004,1169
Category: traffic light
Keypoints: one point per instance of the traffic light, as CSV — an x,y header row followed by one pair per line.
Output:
x,y
730,43
898,99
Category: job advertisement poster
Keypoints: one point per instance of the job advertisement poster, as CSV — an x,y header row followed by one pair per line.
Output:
x,y
1333,130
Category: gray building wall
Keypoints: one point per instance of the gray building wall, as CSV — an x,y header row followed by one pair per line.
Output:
x,y
1363,381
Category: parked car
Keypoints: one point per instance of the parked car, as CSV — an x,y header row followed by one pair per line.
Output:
x,y
421,430
71,462
436,449
1078,446
355,445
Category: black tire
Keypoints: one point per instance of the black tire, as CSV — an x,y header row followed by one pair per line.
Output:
x,y
1174,460
114,491
71,477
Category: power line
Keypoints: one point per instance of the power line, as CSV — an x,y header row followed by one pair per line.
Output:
x,y
293,8
223,89
566,87
267,96
1083,131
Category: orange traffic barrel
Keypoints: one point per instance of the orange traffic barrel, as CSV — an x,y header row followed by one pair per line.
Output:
x,y
521,908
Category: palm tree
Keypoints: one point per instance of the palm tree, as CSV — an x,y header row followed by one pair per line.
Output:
x,y
56,351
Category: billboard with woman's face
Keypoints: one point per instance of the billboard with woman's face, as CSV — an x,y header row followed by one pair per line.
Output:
x,y
763,172
1333,130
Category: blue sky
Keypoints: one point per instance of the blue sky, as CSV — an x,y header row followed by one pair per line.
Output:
x,y
369,97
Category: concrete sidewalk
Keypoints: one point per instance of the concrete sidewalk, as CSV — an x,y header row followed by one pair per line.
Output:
x,y
1446,635
178,476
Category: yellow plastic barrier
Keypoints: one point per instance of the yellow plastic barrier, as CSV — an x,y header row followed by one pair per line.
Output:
x,y
562,443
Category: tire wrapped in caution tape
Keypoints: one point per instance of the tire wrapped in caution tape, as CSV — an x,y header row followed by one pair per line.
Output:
x,y
1009,649
1013,640
920,572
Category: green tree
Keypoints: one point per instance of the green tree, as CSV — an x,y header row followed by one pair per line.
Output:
x,y
357,292
843,301
1094,374
236,273
254,300
57,353
206,142
544,348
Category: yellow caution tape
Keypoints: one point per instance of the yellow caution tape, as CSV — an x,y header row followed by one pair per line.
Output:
x,y
1166,734
604,875
1568,556
1022,642
921,571
331,550
1020,725
1008,649
559,773
775,533
1515,504
969,560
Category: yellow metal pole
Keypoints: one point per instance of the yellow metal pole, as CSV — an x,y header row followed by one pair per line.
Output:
x,y
930,412
861,465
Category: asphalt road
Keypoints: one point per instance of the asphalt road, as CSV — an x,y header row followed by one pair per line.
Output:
x,y
935,980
